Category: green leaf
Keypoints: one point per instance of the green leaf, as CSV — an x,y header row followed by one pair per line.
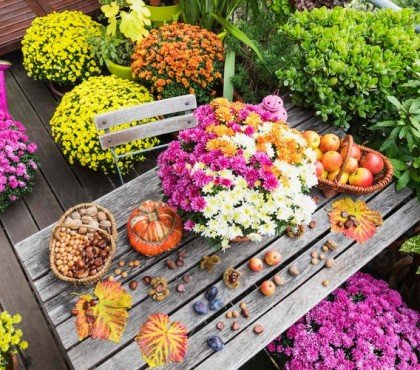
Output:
x,y
399,165
236,32
382,124
403,180
411,245
229,72
415,105
393,100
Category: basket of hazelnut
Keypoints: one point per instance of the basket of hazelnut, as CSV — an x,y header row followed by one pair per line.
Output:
x,y
83,244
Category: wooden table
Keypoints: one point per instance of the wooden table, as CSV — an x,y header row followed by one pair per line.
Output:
x,y
400,211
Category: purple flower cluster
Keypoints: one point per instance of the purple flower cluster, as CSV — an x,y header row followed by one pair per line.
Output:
x,y
17,161
183,186
362,325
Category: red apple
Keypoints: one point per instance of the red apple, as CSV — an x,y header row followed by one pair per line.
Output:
x,y
373,162
272,257
355,153
318,154
362,177
312,138
329,142
267,288
332,161
319,168
351,165
344,176
255,264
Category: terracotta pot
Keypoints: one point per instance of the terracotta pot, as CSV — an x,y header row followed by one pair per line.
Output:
x,y
13,363
240,239
59,91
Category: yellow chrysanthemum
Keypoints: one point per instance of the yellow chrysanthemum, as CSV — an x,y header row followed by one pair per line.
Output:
x,y
55,48
73,126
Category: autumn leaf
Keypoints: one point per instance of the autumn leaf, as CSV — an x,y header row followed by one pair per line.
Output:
x,y
109,313
161,341
366,219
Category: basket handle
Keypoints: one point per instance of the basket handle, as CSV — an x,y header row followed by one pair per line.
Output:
x,y
348,140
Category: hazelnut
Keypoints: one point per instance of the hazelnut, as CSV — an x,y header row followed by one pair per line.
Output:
x,y
329,262
325,283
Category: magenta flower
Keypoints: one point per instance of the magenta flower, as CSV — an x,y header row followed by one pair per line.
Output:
x,y
362,325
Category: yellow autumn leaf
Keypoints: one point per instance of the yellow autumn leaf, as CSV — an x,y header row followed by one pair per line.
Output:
x,y
110,10
140,8
132,26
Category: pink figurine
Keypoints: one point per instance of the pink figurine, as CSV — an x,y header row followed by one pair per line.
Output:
x,y
274,105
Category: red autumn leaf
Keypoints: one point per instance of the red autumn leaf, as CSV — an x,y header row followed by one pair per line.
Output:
x,y
110,312
161,341
366,219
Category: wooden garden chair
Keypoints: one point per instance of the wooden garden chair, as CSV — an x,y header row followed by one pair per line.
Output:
x,y
184,104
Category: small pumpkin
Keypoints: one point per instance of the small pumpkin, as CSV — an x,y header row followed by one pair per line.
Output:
x,y
154,228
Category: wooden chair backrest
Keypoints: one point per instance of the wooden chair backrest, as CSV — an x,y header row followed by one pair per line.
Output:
x,y
111,139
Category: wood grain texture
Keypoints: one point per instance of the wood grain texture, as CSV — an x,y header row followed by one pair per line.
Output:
x,y
147,130
143,111
308,295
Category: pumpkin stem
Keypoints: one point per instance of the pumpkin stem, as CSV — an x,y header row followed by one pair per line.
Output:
x,y
152,216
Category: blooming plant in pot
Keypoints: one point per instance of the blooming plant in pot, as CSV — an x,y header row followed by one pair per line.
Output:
x,y
239,173
55,48
126,24
10,340
180,59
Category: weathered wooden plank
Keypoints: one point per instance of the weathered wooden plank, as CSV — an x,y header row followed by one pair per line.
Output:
x,y
201,281
308,295
287,247
146,130
147,110
17,297
34,250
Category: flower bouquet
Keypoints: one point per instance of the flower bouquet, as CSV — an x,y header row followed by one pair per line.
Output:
x,y
180,59
18,161
362,325
239,173
10,338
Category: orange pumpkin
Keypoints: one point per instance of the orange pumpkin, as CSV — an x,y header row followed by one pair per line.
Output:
x,y
154,228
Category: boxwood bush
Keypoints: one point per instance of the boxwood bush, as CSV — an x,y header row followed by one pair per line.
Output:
x,y
345,62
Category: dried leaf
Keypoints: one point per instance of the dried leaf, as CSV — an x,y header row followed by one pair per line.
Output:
x,y
368,219
110,312
161,341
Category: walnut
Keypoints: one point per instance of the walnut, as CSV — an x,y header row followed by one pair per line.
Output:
x,y
208,262
159,288
231,277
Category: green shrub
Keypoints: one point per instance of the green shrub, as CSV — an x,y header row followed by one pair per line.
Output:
x,y
345,62
413,4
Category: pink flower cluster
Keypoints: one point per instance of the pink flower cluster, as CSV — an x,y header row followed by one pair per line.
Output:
x,y
183,186
362,325
17,161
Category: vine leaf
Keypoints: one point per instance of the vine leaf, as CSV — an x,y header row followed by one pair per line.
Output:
x,y
161,341
367,219
110,312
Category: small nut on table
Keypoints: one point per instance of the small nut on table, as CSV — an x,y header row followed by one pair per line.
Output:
x,y
329,262
293,270
258,329
279,280
314,261
325,283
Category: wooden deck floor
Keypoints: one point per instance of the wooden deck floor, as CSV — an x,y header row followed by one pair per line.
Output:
x,y
58,187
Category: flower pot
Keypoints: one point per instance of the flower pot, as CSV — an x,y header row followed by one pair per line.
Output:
x,y
12,363
161,15
59,91
119,70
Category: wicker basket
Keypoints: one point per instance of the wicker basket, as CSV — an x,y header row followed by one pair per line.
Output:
x,y
89,279
382,179
113,231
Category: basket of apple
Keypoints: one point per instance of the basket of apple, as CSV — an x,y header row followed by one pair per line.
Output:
x,y
344,167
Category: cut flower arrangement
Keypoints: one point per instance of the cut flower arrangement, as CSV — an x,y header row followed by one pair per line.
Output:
x,y
55,48
18,161
239,173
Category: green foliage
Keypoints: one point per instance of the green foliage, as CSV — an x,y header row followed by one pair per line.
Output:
x,y
400,139
411,245
346,62
413,4
255,78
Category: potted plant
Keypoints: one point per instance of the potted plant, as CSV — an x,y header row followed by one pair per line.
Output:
x,y
180,59
126,22
55,49
163,11
239,174
11,341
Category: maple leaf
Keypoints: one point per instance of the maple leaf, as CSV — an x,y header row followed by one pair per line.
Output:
x,y
367,219
110,312
161,341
